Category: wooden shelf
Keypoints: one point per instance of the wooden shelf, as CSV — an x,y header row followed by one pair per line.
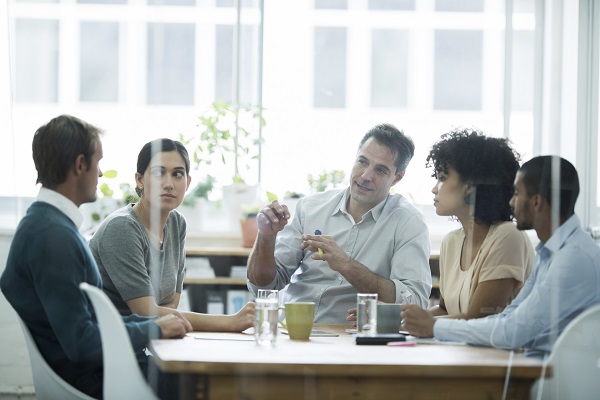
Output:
x,y
223,280
217,251
237,251
206,251
219,280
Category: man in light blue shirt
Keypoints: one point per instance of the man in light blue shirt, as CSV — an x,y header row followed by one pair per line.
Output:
x,y
566,274
372,241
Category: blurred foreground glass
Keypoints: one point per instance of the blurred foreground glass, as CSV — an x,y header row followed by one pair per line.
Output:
x,y
366,317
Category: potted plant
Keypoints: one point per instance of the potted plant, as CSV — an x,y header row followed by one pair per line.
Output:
x,y
107,202
226,137
200,191
326,180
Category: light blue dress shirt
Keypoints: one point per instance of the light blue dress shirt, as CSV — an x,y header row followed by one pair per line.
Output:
x,y
565,281
392,240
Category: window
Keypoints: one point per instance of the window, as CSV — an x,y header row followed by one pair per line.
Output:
x,y
99,61
36,60
389,68
458,70
329,70
224,58
392,4
171,64
330,67
459,5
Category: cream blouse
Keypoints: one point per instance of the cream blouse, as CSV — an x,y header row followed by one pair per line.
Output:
x,y
505,253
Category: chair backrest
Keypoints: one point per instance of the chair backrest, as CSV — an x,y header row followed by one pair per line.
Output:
x,y
575,361
123,378
48,385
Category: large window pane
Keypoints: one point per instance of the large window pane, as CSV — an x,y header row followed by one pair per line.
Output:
x,y
330,67
248,64
102,1
459,5
99,60
392,4
36,60
522,71
331,4
171,64
524,6
232,3
458,70
172,2
37,1
225,63
389,68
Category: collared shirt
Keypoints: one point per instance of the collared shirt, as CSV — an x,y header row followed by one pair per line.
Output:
x,y
565,281
391,240
62,203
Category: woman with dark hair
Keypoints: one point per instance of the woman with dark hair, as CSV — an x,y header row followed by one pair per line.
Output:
x,y
140,248
484,264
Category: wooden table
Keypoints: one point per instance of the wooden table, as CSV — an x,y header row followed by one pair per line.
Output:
x,y
231,366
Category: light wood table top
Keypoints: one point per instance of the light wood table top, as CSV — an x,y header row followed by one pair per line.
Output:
x,y
218,353
231,366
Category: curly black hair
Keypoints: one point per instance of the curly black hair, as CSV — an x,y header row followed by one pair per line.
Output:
x,y
489,164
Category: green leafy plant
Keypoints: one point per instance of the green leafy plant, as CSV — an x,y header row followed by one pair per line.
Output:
x,y
293,195
201,190
128,193
227,135
105,189
326,180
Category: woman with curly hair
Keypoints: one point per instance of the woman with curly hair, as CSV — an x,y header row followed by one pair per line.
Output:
x,y
484,264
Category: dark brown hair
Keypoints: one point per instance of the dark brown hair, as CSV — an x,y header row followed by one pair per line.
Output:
x,y
57,144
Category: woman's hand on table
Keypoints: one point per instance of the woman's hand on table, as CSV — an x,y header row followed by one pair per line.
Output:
x,y
173,325
416,321
243,319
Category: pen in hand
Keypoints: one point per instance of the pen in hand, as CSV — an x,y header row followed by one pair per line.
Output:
x,y
318,232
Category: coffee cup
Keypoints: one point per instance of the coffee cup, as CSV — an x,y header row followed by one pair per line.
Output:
x,y
388,318
299,319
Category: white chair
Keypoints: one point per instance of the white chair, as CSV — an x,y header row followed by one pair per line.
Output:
x,y
48,385
123,378
575,361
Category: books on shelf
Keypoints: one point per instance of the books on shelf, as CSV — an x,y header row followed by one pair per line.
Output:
x,y
214,303
238,271
236,300
198,267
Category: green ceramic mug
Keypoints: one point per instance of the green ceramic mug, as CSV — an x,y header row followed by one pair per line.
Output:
x,y
299,319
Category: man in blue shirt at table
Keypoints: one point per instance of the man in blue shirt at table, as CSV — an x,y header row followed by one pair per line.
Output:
x,y
372,241
565,279
49,258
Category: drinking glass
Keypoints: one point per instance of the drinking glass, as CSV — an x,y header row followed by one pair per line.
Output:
x,y
366,317
266,316
267,294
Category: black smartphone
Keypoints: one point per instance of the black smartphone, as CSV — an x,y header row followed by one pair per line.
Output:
x,y
380,338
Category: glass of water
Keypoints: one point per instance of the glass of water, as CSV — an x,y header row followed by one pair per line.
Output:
x,y
266,316
267,294
366,316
